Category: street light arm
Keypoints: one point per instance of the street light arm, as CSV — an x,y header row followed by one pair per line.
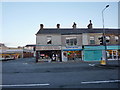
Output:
x,y
103,15
105,8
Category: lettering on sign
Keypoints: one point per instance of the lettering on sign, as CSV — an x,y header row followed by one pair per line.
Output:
x,y
71,47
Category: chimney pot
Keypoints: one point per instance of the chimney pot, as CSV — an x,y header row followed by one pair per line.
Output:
x,y
74,25
58,26
41,26
90,25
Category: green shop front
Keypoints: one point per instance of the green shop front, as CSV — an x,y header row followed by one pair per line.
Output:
x,y
94,53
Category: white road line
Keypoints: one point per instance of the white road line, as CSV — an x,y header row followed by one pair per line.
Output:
x,y
91,64
25,85
94,82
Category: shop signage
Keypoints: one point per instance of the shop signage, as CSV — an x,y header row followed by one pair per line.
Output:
x,y
42,54
100,47
48,48
72,47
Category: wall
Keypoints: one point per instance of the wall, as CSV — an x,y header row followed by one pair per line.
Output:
x,y
79,39
41,39
85,39
112,39
96,36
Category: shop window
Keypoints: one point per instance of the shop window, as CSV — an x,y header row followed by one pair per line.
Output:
x,y
49,40
71,41
73,55
49,55
116,38
92,40
112,54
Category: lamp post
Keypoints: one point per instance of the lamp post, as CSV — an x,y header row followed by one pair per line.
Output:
x,y
104,37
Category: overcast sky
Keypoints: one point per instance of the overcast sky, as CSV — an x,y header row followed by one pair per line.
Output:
x,y
20,20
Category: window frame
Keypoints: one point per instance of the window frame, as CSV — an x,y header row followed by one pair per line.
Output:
x,y
92,40
71,41
116,38
49,40
107,38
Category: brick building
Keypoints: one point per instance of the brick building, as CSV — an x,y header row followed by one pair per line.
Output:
x,y
63,44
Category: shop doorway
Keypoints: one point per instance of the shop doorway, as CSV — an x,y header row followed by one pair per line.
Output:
x,y
112,54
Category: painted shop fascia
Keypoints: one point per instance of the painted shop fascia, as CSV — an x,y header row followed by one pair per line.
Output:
x,y
96,47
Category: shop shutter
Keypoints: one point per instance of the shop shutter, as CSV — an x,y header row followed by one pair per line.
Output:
x,y
94,55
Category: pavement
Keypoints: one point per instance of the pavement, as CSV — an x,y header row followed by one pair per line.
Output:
x,y
110,64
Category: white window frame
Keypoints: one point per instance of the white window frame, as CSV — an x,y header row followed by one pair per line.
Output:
x,y
49,40
92,38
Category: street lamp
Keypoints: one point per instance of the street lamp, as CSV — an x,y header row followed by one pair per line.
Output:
x,y
103,15
104,53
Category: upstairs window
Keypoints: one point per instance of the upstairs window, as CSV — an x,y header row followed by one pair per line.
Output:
x,y
92,40
49,40
71,41
116,38
107,39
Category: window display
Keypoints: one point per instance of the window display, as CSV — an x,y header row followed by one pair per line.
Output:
x,y
73,55
112,54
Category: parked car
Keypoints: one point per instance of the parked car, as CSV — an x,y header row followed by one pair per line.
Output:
x,y
1,58
9,57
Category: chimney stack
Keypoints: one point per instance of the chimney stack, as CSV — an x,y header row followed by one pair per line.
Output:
x,y
90,25
74,25
58,26
41,26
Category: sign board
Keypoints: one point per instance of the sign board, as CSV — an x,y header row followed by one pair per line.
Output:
x,y
71,48
48,47
101,47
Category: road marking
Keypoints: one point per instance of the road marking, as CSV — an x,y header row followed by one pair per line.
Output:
x,y
91,64
94,82
25,85
25,63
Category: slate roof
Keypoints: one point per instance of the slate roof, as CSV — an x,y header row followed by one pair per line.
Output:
x,y
76,31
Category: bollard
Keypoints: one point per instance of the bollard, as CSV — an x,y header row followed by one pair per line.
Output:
x,y
103,62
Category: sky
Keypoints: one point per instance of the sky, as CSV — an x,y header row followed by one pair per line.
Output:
x,y
21,20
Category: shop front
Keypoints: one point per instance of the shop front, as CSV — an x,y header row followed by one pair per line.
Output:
x,y
72,53
48,53
113,52
94,53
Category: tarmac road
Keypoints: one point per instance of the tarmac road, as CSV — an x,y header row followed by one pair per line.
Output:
x,y
25,73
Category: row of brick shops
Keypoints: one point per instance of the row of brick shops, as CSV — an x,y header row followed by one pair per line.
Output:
x,y
86,53
86,44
